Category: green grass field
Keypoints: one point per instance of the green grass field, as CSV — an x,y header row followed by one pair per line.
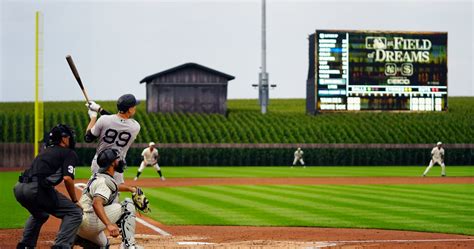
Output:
x,y
317,171
435,208
446,208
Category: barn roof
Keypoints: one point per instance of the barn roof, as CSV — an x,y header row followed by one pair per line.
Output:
x,y
186,65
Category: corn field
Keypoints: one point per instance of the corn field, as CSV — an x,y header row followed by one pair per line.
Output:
x,y
286,122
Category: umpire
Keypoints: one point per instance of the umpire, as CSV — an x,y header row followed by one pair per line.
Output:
x,y
35,190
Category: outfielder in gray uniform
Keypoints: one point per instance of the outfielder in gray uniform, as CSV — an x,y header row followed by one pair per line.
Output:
x,y
437,157
116,131
102,210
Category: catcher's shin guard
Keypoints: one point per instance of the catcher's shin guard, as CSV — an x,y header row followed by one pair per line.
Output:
x,y
127,223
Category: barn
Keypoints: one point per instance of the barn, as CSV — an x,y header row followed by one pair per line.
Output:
x,y
187,88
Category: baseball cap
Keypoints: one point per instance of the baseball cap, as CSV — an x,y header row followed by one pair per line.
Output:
x,y
106,158
151,144
126,101
439,143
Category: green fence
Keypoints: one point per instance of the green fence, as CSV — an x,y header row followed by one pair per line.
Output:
x,y
284,157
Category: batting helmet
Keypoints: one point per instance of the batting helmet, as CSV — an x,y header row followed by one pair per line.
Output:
x,y
106,158
126,101
60,131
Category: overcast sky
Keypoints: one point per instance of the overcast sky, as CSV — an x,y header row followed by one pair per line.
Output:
x,y
115,44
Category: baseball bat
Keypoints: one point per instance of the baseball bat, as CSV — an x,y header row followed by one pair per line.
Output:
x,y
76,75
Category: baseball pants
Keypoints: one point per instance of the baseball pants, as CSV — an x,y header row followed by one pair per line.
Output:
x,y
143,165
298,159
40,207
122,214
432,163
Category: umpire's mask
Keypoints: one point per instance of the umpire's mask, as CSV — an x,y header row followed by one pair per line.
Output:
x,y
60,131
106,158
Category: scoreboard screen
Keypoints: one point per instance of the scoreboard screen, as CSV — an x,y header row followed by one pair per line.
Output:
x,y
377,70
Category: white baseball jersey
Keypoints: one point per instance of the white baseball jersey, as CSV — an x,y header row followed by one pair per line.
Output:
x,y
92,228
437,154
298,154
150,156
102,185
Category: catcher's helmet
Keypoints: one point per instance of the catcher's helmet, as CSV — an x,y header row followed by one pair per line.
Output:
x,y
59,131
126,101
106,158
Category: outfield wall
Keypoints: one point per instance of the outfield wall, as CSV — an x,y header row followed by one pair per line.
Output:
x,y
20,155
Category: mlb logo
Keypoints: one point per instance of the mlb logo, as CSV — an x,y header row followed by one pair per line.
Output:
x,y
375,42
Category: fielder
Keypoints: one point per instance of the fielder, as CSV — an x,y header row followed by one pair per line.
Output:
x,y
117,131
102,210
437,157
298,158
150,158
35,190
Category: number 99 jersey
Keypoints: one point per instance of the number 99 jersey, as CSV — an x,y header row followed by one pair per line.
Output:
x,y
117,133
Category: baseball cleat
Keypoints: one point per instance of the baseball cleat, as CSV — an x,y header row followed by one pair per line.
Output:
x,y
162,178
136,178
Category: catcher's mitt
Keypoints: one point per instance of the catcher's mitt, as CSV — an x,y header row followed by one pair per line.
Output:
x,y
140,201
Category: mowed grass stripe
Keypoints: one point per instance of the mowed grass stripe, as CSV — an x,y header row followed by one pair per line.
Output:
x,y
283,205
384,214
462,190
363,210
269,214
318,214
294,206
343,216
238,211
194,210
249,211
418,216
464,199
285,171
416,208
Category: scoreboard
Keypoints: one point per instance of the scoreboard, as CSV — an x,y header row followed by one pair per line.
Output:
x,y
377,70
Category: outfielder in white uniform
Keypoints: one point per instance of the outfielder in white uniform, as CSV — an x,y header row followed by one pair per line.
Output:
x,y
101,207
150,158
117,131
437,157
298,157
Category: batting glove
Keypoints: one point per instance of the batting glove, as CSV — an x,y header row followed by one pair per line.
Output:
x,y
92,114
93,106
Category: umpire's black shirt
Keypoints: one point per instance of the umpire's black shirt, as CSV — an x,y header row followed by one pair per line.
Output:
x,y
52,165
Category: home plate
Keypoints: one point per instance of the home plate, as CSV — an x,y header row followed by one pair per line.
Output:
x,y
193,243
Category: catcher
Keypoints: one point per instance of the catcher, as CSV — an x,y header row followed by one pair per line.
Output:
x,y
102,209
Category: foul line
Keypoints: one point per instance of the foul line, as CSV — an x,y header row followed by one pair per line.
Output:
x,y
152,227
81,186
397,241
